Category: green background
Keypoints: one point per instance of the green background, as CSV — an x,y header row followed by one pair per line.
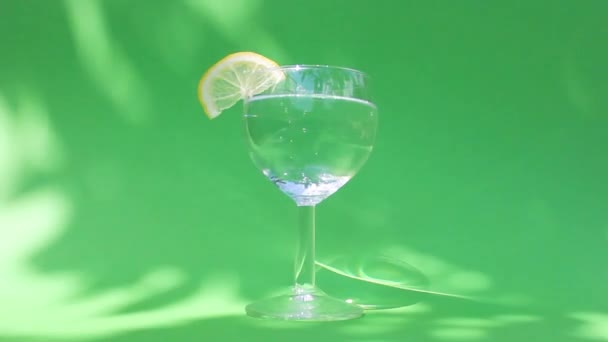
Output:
x,y
126,215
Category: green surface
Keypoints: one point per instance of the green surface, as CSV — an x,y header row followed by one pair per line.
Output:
x,y
126,215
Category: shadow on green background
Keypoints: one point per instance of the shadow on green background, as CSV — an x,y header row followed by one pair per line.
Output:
x,y
125,215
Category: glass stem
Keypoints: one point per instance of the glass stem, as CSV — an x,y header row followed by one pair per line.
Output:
x,y
305,257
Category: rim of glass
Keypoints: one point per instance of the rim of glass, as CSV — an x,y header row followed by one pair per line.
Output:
x,y
317,66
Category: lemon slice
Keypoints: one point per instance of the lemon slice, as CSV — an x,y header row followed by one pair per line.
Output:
x,y
235,77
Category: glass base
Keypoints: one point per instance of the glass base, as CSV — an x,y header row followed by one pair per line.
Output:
x,y
304,304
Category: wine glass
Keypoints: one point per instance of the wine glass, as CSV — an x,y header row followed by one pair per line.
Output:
x,y
310,134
